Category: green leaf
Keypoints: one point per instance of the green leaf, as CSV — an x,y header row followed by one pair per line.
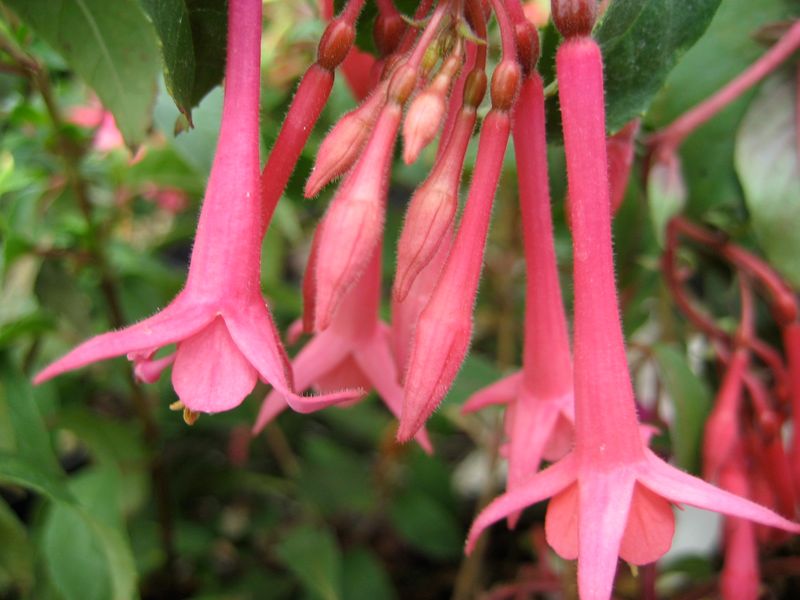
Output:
x,y
20,471
691,399
427,525
111,45
192,36
31,437
208,20
171,21
313,556
365,577
16,552
642,40
85,549
767,164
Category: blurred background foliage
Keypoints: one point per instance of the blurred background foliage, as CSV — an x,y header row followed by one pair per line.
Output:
x,y
107,494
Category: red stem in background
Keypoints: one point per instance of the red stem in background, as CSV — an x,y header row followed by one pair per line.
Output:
x,y
673,135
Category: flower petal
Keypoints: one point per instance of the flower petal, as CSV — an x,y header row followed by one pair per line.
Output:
x,y
681,488
539,487
319,356
650,529
603,506
210,373
561,523
377,362
176,322
501,391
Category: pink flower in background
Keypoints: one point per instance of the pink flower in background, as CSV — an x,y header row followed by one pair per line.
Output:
x,y
223,330
353,352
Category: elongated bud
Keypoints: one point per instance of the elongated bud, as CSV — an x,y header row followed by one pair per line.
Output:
x,y
427,111
574,17
527,46
505,85
335,44
341,147
443,333
432,208
353,225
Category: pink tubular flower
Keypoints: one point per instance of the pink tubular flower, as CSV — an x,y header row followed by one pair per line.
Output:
x,y
224,333
444,329
539,415
611,496
353,352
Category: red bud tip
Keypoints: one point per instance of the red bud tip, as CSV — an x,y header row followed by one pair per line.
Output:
x,y
574,17
387,32
527,46
505,84
335,44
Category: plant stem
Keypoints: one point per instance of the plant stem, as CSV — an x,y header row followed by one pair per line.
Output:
x,y
71,157
672,136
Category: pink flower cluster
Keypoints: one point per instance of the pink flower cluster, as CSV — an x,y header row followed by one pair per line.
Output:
x,y
611,496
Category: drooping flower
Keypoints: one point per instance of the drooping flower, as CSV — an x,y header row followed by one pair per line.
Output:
x,y
611,496
225,337
353,352
539,400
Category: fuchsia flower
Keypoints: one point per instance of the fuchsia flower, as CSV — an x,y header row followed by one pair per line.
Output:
x,y
223,330
539,415
611,496
353,352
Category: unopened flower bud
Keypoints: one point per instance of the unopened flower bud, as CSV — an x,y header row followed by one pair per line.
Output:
x,y
574,17
387,32
505,84
421,123
341,147
335,44
527,46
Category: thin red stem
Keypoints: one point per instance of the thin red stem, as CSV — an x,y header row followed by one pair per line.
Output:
x,y
678,130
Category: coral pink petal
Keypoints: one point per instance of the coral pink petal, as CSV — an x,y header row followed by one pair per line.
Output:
x,y
603,507
561,523
273,405
501,391
681,488
533,422
376,361
149,370
651,526
176,322
210,373
346,375
322,354
539,487
253,331
561,439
